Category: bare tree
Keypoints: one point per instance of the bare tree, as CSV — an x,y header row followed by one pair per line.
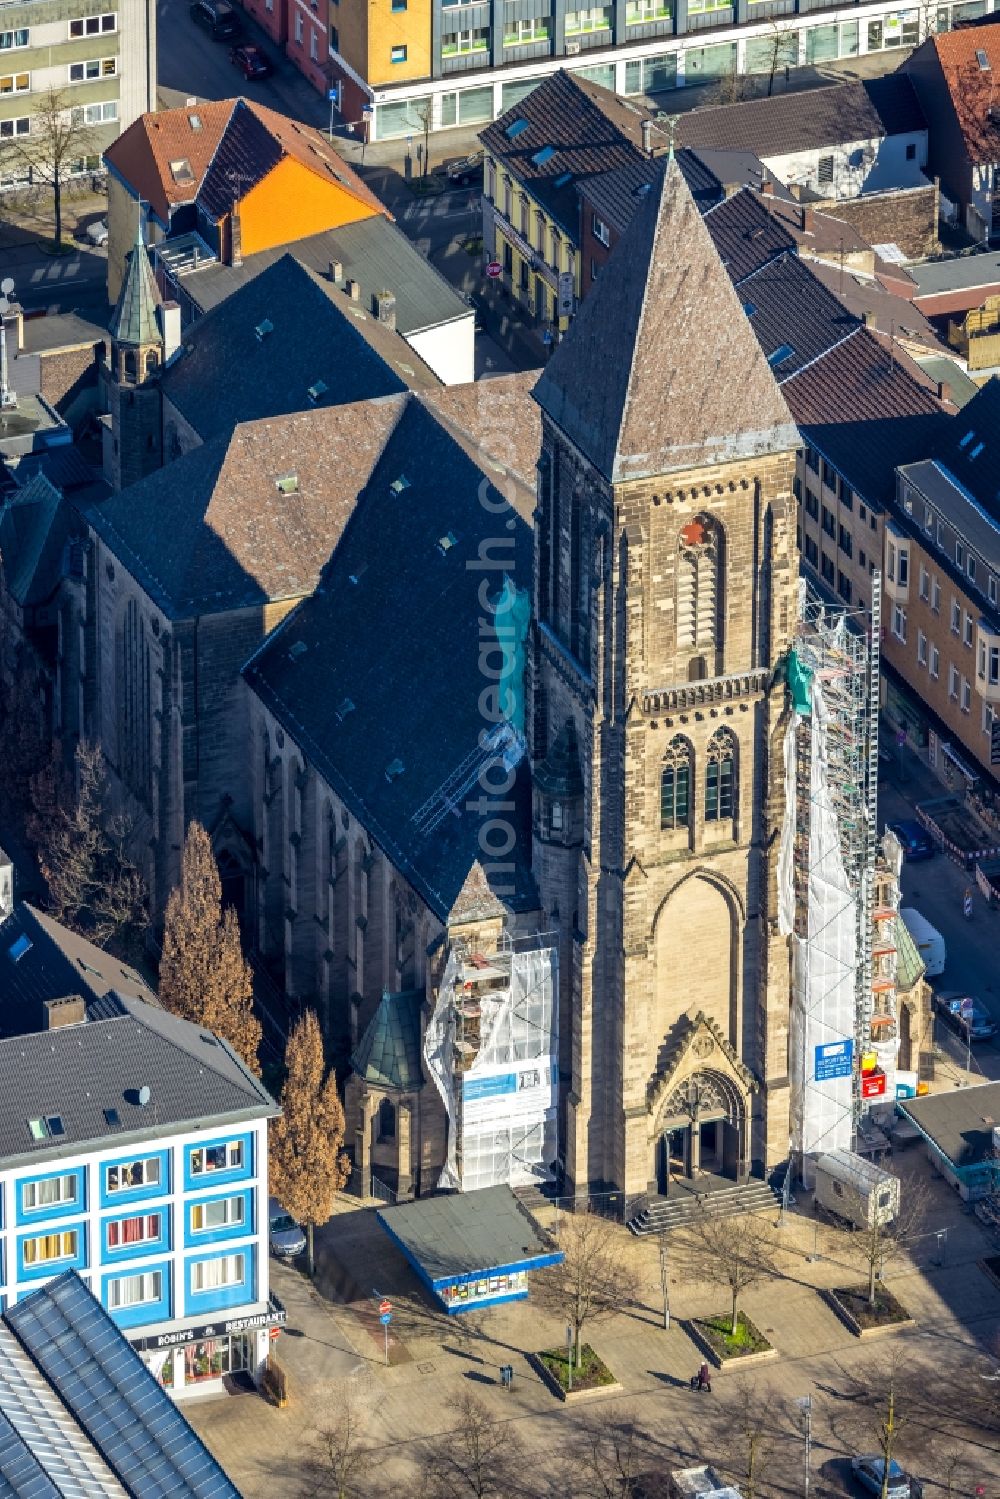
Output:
x,y
59,135
608,1459
593,1280
874,1246
737,1253
886,1416
478,1457
424,114
751,1434
343,1458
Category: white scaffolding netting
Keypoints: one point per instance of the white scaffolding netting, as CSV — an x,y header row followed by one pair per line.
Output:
x,y
491,1047
825,959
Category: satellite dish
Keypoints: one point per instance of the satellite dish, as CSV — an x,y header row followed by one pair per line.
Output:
x,y
7,285
144,1095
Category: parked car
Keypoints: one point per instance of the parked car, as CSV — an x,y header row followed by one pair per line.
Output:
x,y
286,1237
97,234
218,19
917,842
868,1471
959,1011
252,61
466,170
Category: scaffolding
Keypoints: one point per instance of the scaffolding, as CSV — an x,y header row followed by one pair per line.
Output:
x,y
491,1047
827,867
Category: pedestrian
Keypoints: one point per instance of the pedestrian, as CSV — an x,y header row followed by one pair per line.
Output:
x,y
704,1379
967,903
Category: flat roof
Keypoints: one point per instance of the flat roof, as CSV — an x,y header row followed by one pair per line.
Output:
x,y
960,1124
459,1236
955,272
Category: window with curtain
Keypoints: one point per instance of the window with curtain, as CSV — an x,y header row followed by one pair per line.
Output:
x,y
675,785
124,1231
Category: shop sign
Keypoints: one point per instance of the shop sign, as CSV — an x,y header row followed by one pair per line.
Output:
x,y
273,1317
566,293
834,1059
873,1086
525,250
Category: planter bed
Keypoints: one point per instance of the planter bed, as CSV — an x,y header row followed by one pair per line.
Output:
x,y
852,1307
714,1337
593,1377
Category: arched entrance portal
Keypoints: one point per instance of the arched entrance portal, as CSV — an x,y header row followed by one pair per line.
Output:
x,y
702,1130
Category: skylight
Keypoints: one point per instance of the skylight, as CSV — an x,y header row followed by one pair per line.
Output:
x,y
48,1127
263,328
982,60
976,451
562,179
287,484
181,171
317,392
394,770
544,155
398,485
967,438
749,308
112,1118
446,542
194,121
517,128
297,650
343,708
17,949
783,352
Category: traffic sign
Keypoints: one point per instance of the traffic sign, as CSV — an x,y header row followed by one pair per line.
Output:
x,y
333,94
385,1318
385,1306
494,269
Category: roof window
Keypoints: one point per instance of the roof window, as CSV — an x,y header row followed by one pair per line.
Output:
x,y
749,308
976,451
781,353
967,438
317,392
112,1118
562,179
982,60
446,542
394,770
48,1127
297,650
263,328
517,128
19,947
343,708
398,485
180,170
544,155
194,121
287,484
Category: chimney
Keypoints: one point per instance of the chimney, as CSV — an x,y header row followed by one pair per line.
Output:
x,y
869,319
235,238
170,327
944,390
384,308
70,1010
647,137
335,271
730,189
767,188
354,290
808,221
795,188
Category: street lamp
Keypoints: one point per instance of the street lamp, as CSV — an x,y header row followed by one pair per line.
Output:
x,y
805,1406
664,1283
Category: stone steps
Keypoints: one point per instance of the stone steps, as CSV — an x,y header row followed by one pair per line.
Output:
x,y
667,1213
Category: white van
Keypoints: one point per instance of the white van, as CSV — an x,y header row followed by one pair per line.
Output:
x,y
929,941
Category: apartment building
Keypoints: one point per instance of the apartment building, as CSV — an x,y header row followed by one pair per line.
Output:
x,y
133,1150
941,565
100,55
405,65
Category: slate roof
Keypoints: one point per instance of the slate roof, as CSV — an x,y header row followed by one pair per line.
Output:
x,y
392,632
452,1234
56,964
476,900
893,314
33,533
79,1071
789,308
373,252
970,89
213,139
213,531
979,474
959,1123
134,319
120,1406
588,130
389,1050
616,195
745,234
858,111
660,370
497,417
60,330
228,374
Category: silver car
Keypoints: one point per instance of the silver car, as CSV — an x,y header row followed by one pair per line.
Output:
x,y
286,1237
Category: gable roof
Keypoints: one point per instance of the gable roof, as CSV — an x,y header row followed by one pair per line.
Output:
x,y
216,530
971,450
184,155
34,529
377,677
230,373
134,319
836,115
389,1050
114,1399
660,370
970,88
565,130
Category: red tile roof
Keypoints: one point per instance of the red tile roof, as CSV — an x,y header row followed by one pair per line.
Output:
x,y
971,88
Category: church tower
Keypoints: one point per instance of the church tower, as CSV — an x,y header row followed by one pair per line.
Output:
x,y
665,601
133,446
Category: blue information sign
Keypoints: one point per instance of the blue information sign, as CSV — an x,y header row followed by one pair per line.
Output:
x,y
385,1318
835,1059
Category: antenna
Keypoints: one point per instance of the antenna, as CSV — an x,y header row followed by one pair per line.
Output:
x,y
8,400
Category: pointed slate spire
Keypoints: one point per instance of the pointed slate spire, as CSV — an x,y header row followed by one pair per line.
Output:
x,y
660,369
134,319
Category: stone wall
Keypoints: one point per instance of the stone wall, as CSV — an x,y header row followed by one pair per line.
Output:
x,y
907,217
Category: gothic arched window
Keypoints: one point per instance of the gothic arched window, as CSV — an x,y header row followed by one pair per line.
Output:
x,y
151,361
675,785
131,364
720,777
134,707
698,583
387,1120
